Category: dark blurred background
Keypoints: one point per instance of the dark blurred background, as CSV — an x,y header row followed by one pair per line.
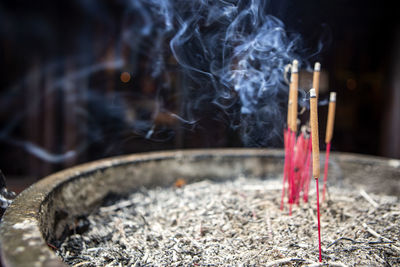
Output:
x,y
67,98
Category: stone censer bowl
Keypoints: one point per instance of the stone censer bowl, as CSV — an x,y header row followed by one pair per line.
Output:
x,y
41,213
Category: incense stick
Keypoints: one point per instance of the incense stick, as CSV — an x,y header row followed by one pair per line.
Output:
x,y
307,174
331,117
328,149
328,137
287,139
285,168
294,81
315,156
316,77
289,110
295,91
314,132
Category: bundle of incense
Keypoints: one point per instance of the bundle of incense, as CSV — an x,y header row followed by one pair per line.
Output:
x,y
315,156
303,171
297,149
288,134
299,160
286,140
328,137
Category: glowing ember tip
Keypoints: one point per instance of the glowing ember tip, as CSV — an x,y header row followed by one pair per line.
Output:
x,y
317,66
332,97
295,66
125,77
312,93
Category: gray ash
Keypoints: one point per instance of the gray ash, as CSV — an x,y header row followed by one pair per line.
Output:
x,y
236,222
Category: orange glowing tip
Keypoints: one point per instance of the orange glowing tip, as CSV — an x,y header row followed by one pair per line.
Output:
x,y
125,77
180,182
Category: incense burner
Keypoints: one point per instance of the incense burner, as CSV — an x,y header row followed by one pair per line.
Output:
x,y
43,213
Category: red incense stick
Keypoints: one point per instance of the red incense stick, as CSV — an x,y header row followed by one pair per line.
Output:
x,y
306,173
285,168
328,137
292,142
287,134
315,156
302,177
319,222
328,149
299,160
290,138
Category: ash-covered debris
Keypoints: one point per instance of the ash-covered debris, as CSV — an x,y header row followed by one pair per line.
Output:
x,y
236,222
6,197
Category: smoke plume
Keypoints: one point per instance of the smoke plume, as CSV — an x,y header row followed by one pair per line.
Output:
x,y
227,57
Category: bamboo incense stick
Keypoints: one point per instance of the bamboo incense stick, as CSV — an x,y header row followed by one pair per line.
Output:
x,y
315,156
328,137
307,171
331,117
294,78
285,167
287,139
316,80
314,132
294,81
316,77
289,110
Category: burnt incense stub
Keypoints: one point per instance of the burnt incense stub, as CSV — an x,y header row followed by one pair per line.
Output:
x,y
47,213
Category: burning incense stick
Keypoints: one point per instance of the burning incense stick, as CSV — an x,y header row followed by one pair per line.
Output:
x,y
285,168
316,75
315,155
314,132
299,160
289,111
294,81
306,173
288,135
331,117
295,87
328,136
